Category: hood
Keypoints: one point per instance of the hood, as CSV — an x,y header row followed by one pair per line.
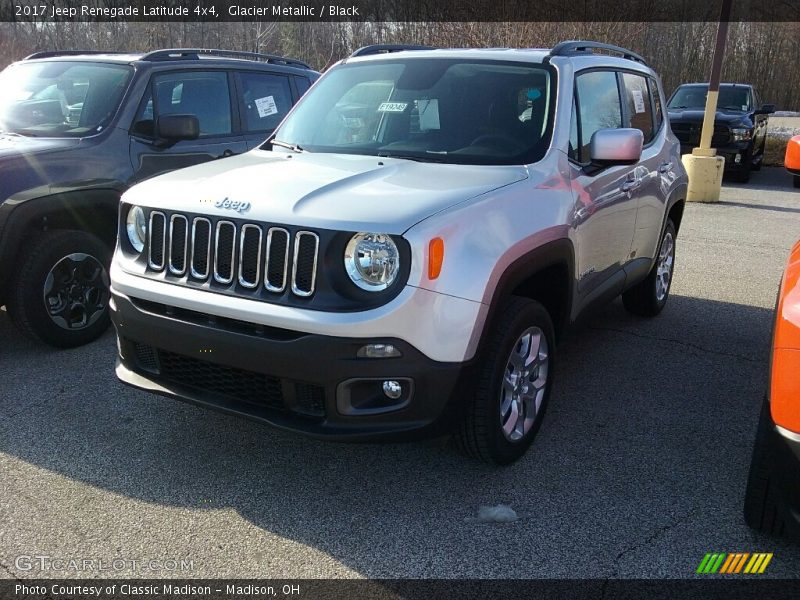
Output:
x,y
18,145
695,115
327,191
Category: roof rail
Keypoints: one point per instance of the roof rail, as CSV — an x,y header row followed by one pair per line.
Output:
x,y
51,53
388,48
580,47
194,54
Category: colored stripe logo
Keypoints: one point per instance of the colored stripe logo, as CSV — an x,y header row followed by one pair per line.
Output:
x,y
734,563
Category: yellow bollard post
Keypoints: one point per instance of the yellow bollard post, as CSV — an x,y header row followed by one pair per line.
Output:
x,y
703,166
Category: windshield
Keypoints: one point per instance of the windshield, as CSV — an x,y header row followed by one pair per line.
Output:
x,y
694,96
60,99
439,110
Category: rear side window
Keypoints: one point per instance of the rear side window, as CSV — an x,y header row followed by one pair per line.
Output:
x,y
266,98
205,95
658,115
639,110
302,84
598,106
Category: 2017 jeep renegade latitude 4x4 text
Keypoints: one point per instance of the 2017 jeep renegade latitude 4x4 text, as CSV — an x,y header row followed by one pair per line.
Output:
x,y
401,262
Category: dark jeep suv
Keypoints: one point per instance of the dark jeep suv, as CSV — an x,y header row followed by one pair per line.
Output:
x,y
740,125
78,128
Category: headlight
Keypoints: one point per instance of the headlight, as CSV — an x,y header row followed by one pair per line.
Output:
x,y
741,135
372,261
136,226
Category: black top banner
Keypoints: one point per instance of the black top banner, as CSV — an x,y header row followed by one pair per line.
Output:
x,y
211,11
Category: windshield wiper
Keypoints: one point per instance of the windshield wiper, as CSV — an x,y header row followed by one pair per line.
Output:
x,y
410,157
292,147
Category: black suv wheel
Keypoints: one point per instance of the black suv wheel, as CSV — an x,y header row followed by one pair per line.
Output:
x,y
764,506
60,295
649,297
515,379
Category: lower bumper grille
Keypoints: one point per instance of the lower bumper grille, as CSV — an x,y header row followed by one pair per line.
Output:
x,y
246,386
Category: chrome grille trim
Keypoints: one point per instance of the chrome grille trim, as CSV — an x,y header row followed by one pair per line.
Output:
x,y
219,278
194,272
150,263
242,281
267,284
185,226
297,239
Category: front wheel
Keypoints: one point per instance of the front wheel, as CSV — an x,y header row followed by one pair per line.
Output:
x,y
60,295
742,174
764,506
516,374
757,165
649,297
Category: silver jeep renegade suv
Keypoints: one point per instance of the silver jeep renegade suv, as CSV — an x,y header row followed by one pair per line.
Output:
x,y
399,258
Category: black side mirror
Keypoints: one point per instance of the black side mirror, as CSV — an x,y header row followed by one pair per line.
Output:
x,y
766,109
174,128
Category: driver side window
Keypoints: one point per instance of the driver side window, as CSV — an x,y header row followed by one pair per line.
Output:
x,y
598,107
205,95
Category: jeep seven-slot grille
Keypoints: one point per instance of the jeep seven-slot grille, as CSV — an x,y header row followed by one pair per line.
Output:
x,y
248,255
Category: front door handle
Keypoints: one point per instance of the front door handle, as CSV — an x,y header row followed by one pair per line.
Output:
x,y
632,181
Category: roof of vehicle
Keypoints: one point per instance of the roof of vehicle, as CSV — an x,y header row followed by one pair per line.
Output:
x,y
580,60
182,55
702,84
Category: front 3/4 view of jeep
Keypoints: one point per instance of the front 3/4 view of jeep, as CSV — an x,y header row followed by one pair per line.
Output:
x,y
399,258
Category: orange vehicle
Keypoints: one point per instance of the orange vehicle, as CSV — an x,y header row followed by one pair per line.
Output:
x,y
792,160
772,499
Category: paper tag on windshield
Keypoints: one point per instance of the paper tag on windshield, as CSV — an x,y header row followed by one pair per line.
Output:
x,y
392,106
638,101
266,106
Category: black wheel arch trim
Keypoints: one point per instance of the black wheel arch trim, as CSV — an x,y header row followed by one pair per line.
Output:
x,y
31,207
556,253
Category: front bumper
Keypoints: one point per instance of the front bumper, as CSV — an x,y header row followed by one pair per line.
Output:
x,y
729,153
309,383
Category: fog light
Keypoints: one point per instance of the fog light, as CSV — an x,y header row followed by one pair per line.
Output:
x,y
392,389
378,351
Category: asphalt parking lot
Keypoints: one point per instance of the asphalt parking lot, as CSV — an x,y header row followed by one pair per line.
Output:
x,y
638,471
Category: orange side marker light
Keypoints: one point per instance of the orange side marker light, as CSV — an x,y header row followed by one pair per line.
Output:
x,y
435,257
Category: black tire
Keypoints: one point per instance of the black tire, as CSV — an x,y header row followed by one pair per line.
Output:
x,y
75,258
796,180
480,434
764,508
760,157
742,174
643,298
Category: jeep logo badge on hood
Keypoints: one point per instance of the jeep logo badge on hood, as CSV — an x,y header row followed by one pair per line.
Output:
x,y
240,207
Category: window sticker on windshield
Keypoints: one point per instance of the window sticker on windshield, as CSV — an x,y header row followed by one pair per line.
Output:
x,y
638,101
266,106
392,106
